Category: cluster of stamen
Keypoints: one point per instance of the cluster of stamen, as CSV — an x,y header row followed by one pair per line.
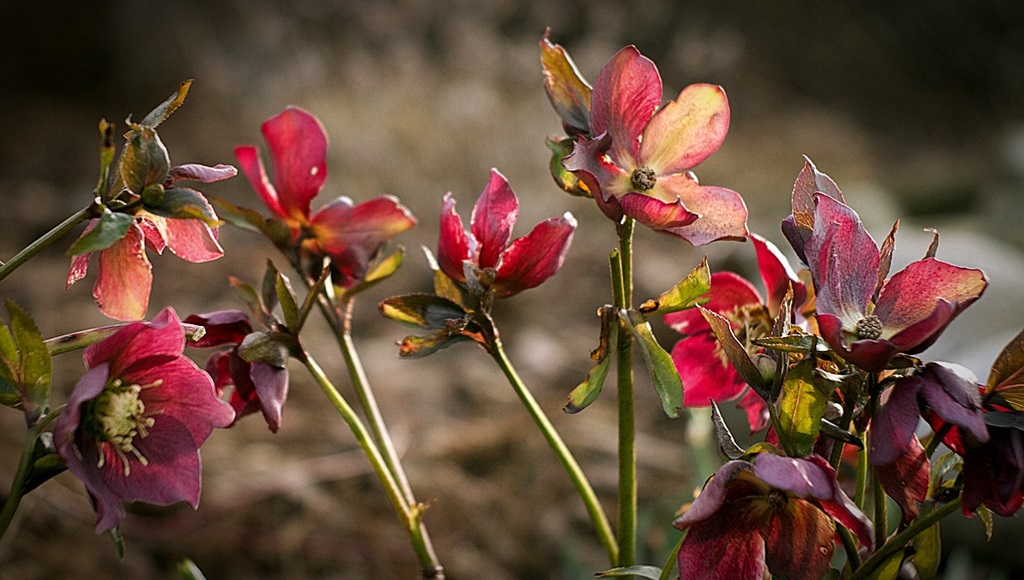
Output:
x,y
777,500
116,417
643,178
749,322
869,327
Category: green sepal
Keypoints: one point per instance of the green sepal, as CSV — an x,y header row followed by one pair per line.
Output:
x,y
118,539
183,203
246,293
444,286
249,219
985,517
107,150
46,463
268,288
164,109
422,311
289,304
801,408
651,572
736,353
379,271
686,294
273,348
1006,420
421,346
586,392
928,550
25,365
566,88
312,298
726,442
564,179
144,160
794,343
659,363
109,229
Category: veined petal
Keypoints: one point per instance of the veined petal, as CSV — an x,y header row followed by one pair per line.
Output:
x,y
843,259
895,422
452,244
249,160
271,386
905,480
590,163
711,553
162,338
777,274
723,213
954,399
172,473
626,94
706,373
125,279
535,257
656,214
686,131
185,392
799,541
193,240
718,491
340,226
912,293
494,214
79,268
729,292
298,148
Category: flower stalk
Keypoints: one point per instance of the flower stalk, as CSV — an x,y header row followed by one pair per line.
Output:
x,y
622,291
59,231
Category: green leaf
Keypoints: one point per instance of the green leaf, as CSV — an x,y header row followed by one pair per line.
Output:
x,y
273,348
118,539
311,298
564,178
996,419
801,407
586,392
651,572
249,295
268,287
659,363
289,304
27,367
941,468
164,109
985,517
185,203
686,294
144,160
46,463
423,311
421,346
928,551
736,353
379,271
9,394
726,442
249,219
794,343
109,228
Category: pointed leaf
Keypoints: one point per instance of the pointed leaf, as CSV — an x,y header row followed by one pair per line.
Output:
x,y
33,366
736,353
985,517
312,298
928,551
422,311
144,160
586,392
794,343
268,287
659,363
650,572
801,408
1009,420
272,348
885,257
726,442
568,92
444,286
289,304
421,346
249,295
164,109
108,229
687,293
933,247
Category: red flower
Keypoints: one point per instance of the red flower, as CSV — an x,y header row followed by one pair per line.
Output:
x,y
869,321
350,234
777,515
704,368
638,161
134,422
504,266
258,386
125,280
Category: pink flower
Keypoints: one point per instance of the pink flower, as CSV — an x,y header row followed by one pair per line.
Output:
x,y
134,422
866,319
126,277
776,515
703,366
504,266
638,161
257,386
350,234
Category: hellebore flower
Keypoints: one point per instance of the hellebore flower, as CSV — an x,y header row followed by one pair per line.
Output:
x,y
487,251
350,234
865,319
258,386
778,514
637,163
702,364
134,422
126,276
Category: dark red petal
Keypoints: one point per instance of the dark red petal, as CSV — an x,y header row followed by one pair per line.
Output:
x,y
298,148
869,355
714,495
843,259
352,235
251,164
494,214
656,214
172,472
715,550
272,389
185,392
758,415
777,274
535,257
954,399
626,94
799,541
222,327
162,338
895,422
906,479
994,472
452,243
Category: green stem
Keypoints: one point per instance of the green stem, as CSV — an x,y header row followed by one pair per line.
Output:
x,y
18,483
48,238
862,476
411,516
850,546
73,341
673,557
622,290
572,468
881,511
900,540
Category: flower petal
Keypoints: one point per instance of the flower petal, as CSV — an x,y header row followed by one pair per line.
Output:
x,y
352,235
535,257
202,173
298,147
193,240
271,385
125,279
222,327
954,399
758,415
452,244
729,293
869,355
994,472
723,213
568,92
706,373
777,275
717,493
710,553
184,392
906,479
172,472
895,422
912,294
249,160
799,541
162,338
494,214
843,259
626,94
686,131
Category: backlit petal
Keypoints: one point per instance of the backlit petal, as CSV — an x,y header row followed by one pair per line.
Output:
x,y
298,148
535,257
626,94
686,131
843,259
494,214
452,244
706,373
125,279
911,294
723,213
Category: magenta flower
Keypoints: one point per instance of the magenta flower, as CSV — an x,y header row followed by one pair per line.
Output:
x,y
350,234
777,515
504,266
869,321
126,276
256,386
703,366
638,161
134,422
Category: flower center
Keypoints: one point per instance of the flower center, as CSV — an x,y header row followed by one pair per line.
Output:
x,y
869,327
643,178
777,500
116,417
749,322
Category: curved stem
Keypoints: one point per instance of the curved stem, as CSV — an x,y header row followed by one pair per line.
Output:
x,y
898,541
18,483
572,468
46,239
622,289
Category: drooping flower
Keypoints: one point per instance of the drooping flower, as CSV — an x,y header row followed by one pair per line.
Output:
x,y
866,318
704,368
125,278
638,157
502,265
257,386
777,514
350,234
134,422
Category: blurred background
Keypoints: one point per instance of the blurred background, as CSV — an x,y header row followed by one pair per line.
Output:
x,y
915,109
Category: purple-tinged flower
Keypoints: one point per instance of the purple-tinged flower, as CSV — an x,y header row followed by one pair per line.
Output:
x,y
503,265
866,318
777,515
350,234
703,366
257,386
638,161
134,422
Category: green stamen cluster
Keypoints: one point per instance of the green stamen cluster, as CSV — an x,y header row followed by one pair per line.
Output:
x,y
116,417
